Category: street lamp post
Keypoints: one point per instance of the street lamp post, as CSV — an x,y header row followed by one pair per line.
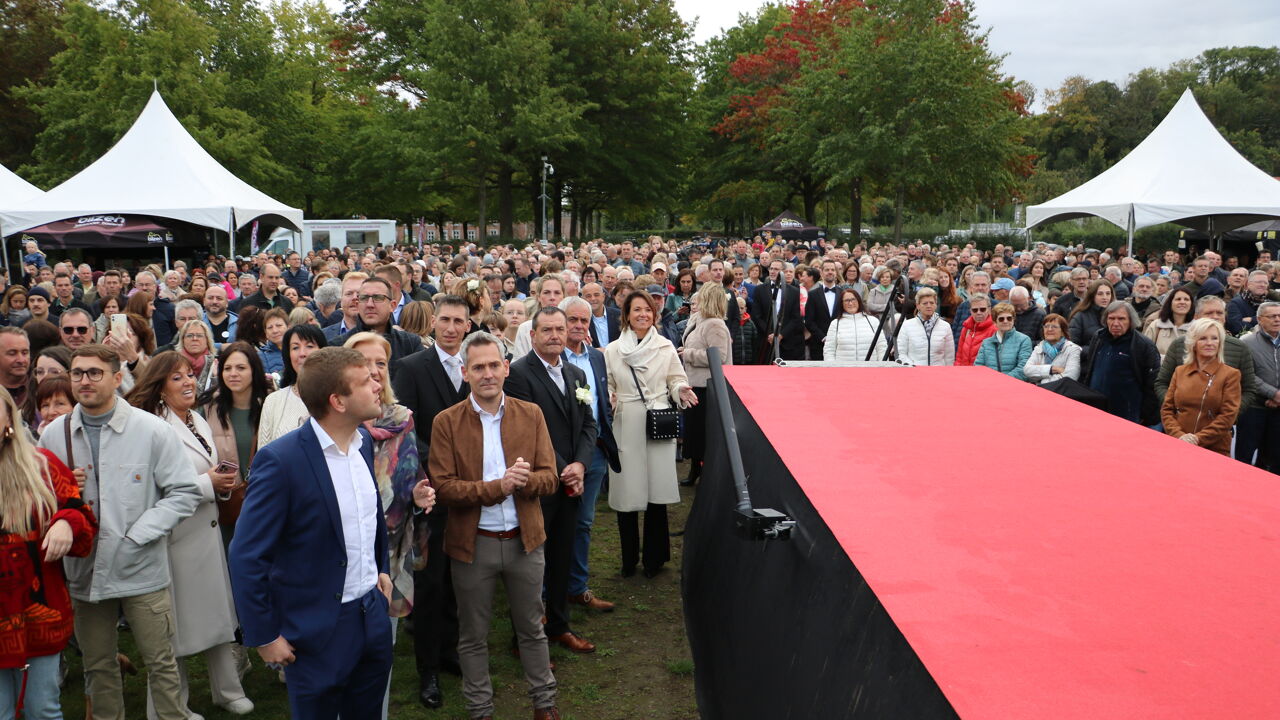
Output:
x,y
546,168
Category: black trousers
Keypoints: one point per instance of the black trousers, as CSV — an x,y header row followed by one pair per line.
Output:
x,y
435,609
657,542
560,520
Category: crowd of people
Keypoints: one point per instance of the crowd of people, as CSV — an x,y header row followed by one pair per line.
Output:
x,y
464,408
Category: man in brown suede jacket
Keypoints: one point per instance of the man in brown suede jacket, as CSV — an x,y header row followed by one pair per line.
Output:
x,y
490,461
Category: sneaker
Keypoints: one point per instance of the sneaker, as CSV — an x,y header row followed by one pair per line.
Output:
x,y
239,706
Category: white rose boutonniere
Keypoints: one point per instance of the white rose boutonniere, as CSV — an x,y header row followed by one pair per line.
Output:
x,y
583,394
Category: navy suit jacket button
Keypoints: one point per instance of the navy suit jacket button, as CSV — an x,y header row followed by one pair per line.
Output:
x,y
342,563
337,596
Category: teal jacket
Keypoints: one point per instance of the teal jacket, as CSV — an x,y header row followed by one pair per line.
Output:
x,y
1008,357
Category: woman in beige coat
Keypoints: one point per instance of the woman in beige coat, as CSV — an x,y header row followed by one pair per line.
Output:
x,y
204,614
648,478
706,330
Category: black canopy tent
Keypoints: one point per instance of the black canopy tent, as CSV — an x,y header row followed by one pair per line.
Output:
x,y
1242,242
112,231
789,226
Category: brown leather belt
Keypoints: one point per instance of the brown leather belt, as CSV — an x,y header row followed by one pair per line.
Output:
x,y
504,535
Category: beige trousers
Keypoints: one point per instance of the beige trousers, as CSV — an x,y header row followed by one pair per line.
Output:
x,y
150,618
474,584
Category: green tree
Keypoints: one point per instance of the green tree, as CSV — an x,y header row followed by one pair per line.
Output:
x,y
29,42
113,58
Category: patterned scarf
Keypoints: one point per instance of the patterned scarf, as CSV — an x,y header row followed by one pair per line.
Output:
x,y
1051,350
396,469
928,324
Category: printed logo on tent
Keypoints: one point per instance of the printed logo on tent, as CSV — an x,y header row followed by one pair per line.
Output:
x,y
789,223
154,238
114,221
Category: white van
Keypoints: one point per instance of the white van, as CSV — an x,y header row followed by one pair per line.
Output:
x,y
321,234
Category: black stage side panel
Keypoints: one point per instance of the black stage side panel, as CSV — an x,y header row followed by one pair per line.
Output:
x,y
787,629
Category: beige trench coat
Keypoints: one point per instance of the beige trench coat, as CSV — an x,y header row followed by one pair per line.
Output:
x,y
204,613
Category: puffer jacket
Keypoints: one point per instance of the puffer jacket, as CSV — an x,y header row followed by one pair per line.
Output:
x,y
145,486
915,347
1005,353
1038,367
1084,325
849,338
971,336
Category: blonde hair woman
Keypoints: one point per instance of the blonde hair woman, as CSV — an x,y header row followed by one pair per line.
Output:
x,y
417,318
1204,392
706,330
195,343
41,511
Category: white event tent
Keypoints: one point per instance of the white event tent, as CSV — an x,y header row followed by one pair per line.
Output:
x,y
14,188
156,169
1184,172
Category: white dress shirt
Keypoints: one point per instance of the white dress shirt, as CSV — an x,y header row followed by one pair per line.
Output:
x,y
358,506
502,516
452,366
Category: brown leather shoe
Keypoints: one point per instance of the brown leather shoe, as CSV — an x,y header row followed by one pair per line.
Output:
x,y
574,642
546,714
589,601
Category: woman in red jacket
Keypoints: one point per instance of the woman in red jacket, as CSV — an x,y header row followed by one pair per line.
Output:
x,y
41,519
976,328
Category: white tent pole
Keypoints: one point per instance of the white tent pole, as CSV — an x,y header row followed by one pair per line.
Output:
x,y
1130,231
5,242
231,233
166,259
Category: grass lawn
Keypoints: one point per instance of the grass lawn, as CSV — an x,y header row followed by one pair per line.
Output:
x,y
641,668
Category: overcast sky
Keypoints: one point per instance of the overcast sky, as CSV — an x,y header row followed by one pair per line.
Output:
x,y
1045,41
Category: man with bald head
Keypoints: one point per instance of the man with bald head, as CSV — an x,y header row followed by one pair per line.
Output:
x,y
221,322
605,327
268,296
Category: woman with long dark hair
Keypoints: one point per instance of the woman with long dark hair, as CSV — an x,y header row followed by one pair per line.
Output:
x,y
42,519
233,409
1172,321
1086,319
204,615
283,411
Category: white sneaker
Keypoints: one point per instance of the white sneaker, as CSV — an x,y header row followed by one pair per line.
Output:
x,y
239,706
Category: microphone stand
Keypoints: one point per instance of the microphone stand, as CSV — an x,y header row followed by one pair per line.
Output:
x,y
776,320
890,310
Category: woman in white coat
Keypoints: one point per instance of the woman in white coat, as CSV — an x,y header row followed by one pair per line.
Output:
x,y
926,339
204,614
1054,357
851,330
648,478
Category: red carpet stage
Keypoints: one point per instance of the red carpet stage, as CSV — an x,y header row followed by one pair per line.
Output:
x,y
972,546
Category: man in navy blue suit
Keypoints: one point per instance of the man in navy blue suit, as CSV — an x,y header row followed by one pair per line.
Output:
x,y
578,352
309,567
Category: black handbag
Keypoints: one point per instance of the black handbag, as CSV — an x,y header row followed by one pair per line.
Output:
x,y
665,424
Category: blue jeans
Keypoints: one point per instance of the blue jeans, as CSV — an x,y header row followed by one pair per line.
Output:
x,y
41,701
591,484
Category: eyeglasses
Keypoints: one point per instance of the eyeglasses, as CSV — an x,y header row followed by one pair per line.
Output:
x,y
193,336
75,330
1004,318
979,311
378,298
94,374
